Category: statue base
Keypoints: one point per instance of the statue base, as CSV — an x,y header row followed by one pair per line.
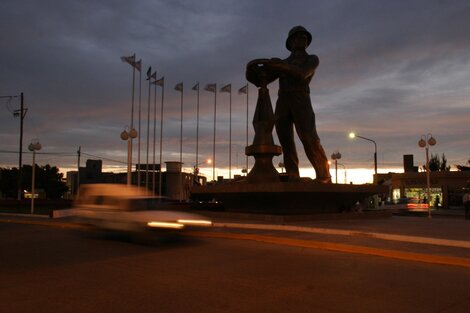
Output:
x,y
286,197
263,171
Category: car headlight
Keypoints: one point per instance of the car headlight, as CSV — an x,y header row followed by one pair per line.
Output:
x,y
195,222
165,225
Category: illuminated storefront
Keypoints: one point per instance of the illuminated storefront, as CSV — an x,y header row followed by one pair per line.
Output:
x,y
447,188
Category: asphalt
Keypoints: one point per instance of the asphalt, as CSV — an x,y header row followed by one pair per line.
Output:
x,y
442,239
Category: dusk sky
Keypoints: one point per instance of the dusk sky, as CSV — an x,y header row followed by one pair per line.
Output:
x,y
389,70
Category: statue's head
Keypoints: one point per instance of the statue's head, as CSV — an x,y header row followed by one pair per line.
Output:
x,y
295,31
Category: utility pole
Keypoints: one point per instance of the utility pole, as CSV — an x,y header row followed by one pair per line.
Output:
x,y
78,171
19,113
22,114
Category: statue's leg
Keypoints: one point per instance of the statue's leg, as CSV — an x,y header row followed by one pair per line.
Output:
x,y
285,132
304,120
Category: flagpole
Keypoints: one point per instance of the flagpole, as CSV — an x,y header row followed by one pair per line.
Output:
x,y
197,127
246,126
228,88
131,132
161,141
129,143
138,139
133,91
154,137
213,145
230,138
148,131
181,146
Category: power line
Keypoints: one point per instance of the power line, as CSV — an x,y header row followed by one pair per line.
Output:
x,y
103,158
67,155
49,153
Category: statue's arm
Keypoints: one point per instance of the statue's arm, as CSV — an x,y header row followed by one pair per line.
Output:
x,y
302,72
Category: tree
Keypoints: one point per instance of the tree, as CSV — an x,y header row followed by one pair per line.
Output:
x,y
464,168
9,182
444,167
438,165
52,182
47,177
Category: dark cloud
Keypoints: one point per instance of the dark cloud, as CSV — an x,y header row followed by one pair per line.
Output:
x,y
390,70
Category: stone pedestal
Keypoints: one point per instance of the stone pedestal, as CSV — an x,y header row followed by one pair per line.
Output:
x,y
263,148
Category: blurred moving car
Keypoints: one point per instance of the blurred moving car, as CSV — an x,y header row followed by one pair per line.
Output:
x,y
129,208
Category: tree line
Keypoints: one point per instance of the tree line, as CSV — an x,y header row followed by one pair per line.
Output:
x,y
439,164
47,178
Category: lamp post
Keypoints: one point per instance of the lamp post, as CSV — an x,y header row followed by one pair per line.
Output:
x,y
336,156
425,142
33,146
196,168
129,135
345,175
353,135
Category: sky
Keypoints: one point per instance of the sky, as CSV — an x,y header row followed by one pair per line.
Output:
x,y
390,71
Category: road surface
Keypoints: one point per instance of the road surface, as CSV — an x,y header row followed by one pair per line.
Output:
x,y
53,269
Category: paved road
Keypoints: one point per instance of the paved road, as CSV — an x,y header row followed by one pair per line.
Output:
x,y
52,269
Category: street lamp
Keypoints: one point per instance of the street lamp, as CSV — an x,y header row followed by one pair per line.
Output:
x,y
425,142
33,146
196,168
336,156
353,135
345,175
125,135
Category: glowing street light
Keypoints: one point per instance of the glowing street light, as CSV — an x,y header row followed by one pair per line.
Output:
x,y
33,146
353,135
425,142
125,135
196,168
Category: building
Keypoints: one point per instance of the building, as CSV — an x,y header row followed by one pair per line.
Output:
x,y
176,184
447,188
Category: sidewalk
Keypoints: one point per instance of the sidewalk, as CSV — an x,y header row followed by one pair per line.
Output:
x,y
442,225
405,237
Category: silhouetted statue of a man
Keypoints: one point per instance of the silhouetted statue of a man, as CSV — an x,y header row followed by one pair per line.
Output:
x,y
293,107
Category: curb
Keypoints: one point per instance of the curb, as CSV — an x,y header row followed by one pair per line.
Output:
x,y
354,233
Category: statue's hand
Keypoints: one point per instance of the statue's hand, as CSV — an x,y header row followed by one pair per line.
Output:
x,y
259,70
258,62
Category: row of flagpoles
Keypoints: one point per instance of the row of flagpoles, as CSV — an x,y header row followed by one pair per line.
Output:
x,y
152,80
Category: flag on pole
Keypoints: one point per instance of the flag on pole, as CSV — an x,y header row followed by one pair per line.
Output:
x,y
210,87
138,65
244,90
226,88
129,59
149,73
196,87
160,82
179,86
154,75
